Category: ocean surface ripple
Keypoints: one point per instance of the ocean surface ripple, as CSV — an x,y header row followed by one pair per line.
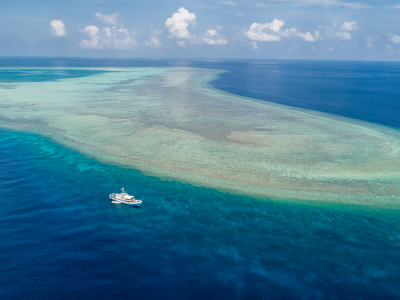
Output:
x,y
62,239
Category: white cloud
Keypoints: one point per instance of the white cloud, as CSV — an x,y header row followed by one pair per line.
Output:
x,y
93,42
265,32
178,23
213,38
349,26
211,32
118,38
181,43
307,36
109,19
396,39
343,35
91,30
341,31
396,6
292,32
254,45
111,37
153,40
369,41
58,28
330,49
107,32
272,32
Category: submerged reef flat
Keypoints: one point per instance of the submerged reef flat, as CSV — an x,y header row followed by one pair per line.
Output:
x,y
171,123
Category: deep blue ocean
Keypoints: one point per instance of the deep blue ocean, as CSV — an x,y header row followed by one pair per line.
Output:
x,y
60,238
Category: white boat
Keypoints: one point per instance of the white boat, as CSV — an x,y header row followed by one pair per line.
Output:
x,y
124,198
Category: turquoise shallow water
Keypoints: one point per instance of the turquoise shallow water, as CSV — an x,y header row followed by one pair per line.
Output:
x,y
171,123
62,239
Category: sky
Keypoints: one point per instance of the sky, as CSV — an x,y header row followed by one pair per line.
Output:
x,y
269,29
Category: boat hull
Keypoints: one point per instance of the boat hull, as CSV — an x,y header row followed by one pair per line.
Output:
x,y
125,203
129,203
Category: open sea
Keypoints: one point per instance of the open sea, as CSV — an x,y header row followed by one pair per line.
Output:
x,y
60,238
